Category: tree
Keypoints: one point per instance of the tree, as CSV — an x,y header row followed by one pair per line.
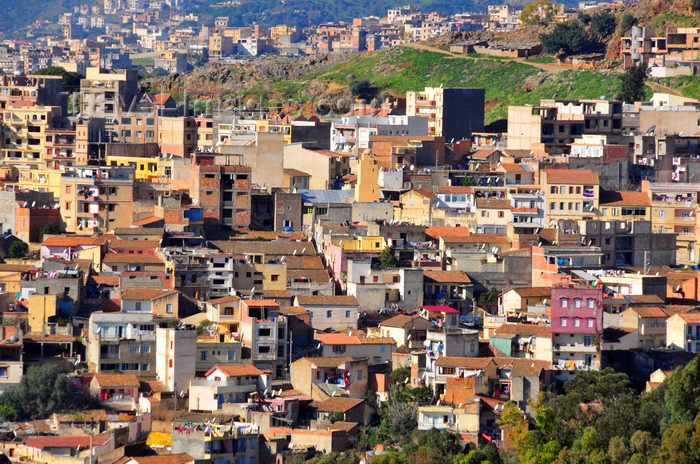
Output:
x,y
681,395
695,5
18,249
70,80
468,181
626,22
398,415
567,37
400,374
603,23
392,457
202,326
387,259
632,81
49,229
681,444
490,296
363,89
43,391
537,12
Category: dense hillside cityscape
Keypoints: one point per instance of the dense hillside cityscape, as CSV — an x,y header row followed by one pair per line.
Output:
x,y
239,233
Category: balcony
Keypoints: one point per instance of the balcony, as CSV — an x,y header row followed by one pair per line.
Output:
x,y
577,348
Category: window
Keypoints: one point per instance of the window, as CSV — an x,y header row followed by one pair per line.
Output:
x,y
500,214
553,189
146,367
562,321
329,314
662,213
359,375
589,322
135,348
274,277
169,308
587,341
591,303
321,211
382,348
231,355
564,303
577,302
577,322
552,205
203,356
448,371
145,348
137,306
347,314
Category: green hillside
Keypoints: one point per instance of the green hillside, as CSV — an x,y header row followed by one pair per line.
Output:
x,y
506,82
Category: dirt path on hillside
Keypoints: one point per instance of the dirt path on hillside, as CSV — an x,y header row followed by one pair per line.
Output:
x,y
548,67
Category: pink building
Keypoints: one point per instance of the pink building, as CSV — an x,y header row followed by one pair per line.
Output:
x,y
338,262
577,326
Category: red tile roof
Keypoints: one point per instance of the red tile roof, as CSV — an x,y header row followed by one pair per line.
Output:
x,y
324,300
338,404
532,292
131,259
527,329
571,176
446,276
235,370
645,311
487,203
624,198
180,458
454,189
151,294
436,232
117,380
67,441
425,193
72,241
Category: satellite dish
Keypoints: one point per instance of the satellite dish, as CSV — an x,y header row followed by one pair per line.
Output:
x,y
252,292
412,167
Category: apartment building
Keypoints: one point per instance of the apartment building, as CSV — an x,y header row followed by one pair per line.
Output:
x,y
553,125
222,192
674,209
577,326
264,332
24,128
122,341
177,136
453,113
570,194
39,90
326,167
94,200
104,93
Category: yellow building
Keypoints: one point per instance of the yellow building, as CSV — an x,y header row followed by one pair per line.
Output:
x,y
24,133
570,194
362,244
418,207
625,205
39,310
42,180
367,188
145,168
674,209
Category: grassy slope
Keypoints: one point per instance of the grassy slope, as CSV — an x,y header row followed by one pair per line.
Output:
x,y
411,69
